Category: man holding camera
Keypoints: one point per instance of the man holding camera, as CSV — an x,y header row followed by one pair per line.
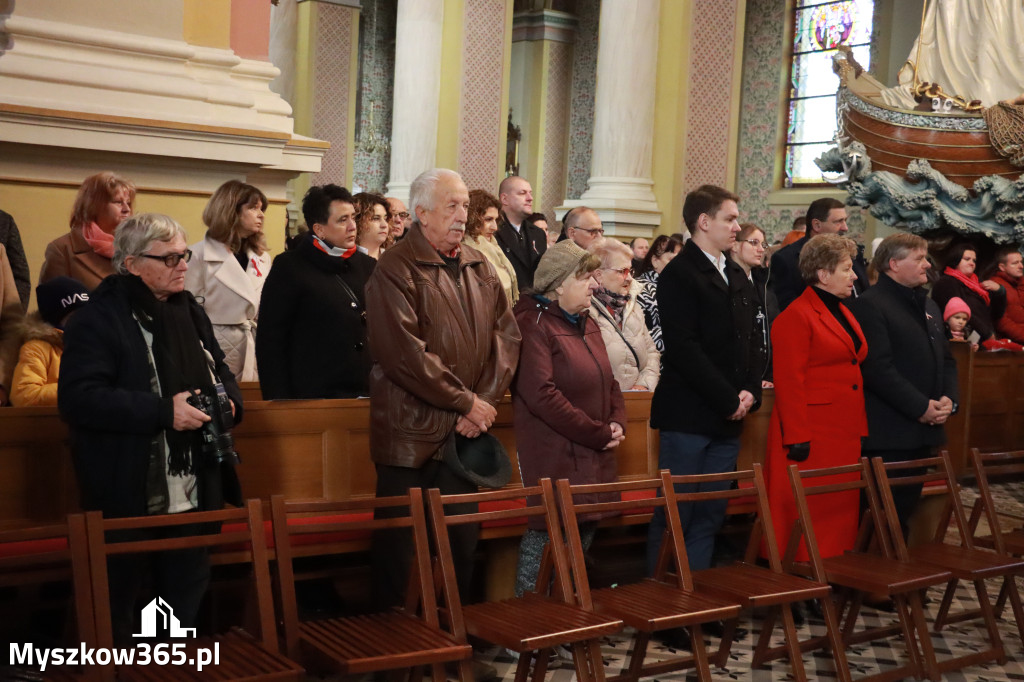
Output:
x,y
149,399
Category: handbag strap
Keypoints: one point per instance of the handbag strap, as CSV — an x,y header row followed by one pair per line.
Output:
x,y
604,313
352,295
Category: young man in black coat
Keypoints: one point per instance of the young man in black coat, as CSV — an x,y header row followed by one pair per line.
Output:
x,y
522,242
824,216
711,367
910,380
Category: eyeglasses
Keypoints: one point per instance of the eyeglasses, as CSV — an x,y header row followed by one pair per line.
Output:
x,y
756,243
171,260
591,230
403,215
623,272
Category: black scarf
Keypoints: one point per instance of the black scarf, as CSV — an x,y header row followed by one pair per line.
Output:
x,y
181,364
615,303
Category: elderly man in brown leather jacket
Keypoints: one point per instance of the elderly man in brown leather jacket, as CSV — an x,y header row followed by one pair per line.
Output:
x,y
445,347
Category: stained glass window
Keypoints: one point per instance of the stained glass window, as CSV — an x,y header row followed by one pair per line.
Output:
x,y
818,28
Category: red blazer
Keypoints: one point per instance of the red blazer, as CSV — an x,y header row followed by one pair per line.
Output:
x,y
819,398
818,378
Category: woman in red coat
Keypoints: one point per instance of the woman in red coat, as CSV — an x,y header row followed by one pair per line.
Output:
x,y
568,410
819,416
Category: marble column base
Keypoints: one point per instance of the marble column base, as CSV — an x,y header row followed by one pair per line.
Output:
x,y
627,206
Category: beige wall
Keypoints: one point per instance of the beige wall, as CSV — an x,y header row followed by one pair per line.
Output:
x,y
156,18
208,23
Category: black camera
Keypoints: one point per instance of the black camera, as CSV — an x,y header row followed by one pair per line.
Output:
x,y
217,441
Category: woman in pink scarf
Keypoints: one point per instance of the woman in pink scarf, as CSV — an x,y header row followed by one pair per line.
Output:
x,y
987,300
84,253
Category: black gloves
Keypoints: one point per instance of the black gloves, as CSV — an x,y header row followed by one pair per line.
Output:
x,y
798,452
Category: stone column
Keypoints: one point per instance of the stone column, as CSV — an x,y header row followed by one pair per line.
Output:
x,y
417,92
540,99
620,187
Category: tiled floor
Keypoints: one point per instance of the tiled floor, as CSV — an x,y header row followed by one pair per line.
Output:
x,y
865,659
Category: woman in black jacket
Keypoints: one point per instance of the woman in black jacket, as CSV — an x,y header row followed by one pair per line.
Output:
x,y
986,299
311,342
748,252
134,358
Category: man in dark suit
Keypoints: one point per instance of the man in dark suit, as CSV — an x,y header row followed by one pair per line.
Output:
x,y
711,366
910,381
824,216
521,241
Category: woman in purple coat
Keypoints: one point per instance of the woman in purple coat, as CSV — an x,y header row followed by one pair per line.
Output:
x,y
569,414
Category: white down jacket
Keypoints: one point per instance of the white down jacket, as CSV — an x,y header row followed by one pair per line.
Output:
x,y
634,357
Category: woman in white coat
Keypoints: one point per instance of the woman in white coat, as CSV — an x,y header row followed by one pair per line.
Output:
x,y
636,362
228,269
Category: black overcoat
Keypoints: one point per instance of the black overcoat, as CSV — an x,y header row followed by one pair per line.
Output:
x,y
908,364
712,346
105,396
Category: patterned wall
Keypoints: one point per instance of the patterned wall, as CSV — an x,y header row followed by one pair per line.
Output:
x,y
376,84
765,55
331,68
712,36
581,106
482,118
556,115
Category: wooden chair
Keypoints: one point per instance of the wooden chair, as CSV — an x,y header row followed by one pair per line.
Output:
x,y
535,623
1007,541
871,568
405,638
754,586
961,559
33,557
652,604
242,540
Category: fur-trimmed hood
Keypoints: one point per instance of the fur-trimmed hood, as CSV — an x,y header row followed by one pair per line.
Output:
x,y
33,327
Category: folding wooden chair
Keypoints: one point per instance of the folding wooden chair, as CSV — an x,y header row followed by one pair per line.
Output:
x,y
652,604
242,540
534,623
754,586
863,571
33,557
402,638
962,559
1007,541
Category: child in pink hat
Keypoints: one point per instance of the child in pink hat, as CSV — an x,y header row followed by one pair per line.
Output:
x,y
956,316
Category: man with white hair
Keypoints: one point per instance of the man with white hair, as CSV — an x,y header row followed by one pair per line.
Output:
x,y
445,347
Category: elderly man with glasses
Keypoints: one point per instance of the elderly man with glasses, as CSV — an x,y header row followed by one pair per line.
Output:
x,y
401,219
583,226
138,360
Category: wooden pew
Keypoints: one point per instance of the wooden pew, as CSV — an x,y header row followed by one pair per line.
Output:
x,y
303,449
319,449
991,414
